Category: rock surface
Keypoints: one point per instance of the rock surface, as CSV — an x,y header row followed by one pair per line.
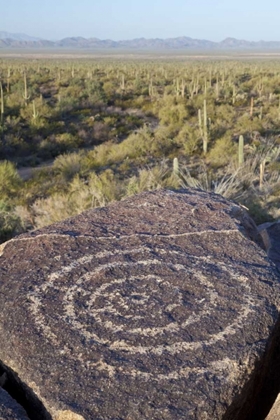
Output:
x,y
270,233
159,307
10,409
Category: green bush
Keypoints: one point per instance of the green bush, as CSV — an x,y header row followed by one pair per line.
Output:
x,y
96,191
10,223
68,165
189,139
222,153
10,181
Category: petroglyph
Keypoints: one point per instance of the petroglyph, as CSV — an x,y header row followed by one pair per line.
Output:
x,y
119,306
97,238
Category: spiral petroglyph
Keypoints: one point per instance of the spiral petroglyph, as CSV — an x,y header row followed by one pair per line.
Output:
x,y
111,307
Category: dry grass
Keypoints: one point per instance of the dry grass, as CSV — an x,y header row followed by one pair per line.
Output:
x,y
229,185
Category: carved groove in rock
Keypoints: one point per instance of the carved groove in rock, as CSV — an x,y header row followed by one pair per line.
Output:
x,y
115,307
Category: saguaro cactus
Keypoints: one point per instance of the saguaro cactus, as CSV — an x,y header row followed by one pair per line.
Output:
x,y
241,150
205,126
262,167
223,78
2,103
200,122
122,83
35,113
260,87
205,86
233,94
177,87
217,88
175,166
196,87
151,88
25,94
252,107
8,80
183,88
210,78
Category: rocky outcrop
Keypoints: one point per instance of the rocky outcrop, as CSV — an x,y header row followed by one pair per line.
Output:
x,y
9,408
159,307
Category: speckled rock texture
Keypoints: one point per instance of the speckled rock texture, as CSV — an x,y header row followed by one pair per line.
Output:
x,y
10,409
159,307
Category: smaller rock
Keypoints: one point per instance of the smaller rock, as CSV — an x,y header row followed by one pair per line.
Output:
x,y
270,233
10,409
274,413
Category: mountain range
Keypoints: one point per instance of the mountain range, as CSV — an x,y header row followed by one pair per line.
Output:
x,y
17,37
10,40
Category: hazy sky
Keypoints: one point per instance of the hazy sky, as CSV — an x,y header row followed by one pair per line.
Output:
x,y
124,19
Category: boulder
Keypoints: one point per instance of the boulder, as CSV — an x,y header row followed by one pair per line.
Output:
x,y
162,306
270,233
10,409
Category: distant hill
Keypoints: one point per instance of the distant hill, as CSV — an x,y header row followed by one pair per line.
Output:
x,y
8,40
17,37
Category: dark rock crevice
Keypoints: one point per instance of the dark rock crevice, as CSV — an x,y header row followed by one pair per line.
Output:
x,y
23,394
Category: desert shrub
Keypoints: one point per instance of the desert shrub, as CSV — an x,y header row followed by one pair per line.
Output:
x,y
68,165
174,114
42,110
96,191
51,209
96,92
154,178
225,113
109,88
10,222
146,180
13,144
55,145
166,132
257,208
135,145
189,139
98,157
68,141
245,125
26,218
9,179
100,131
223,151
66,103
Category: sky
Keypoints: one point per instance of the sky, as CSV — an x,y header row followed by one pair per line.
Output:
x,y
214,20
